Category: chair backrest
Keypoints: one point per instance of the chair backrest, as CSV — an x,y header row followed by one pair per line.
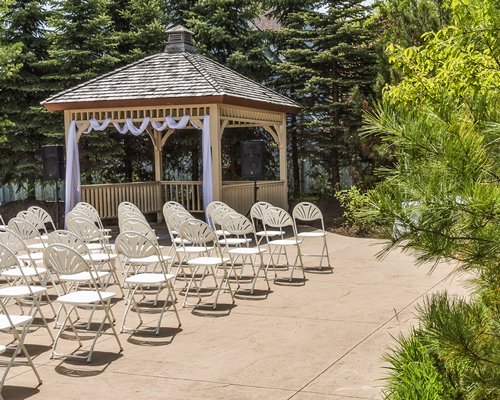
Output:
x,y
91,213
24,228
169,209
43,215
8,258
127,205
257,212
306,211
276,217
239,225
64,260
125,214
33,219
197,233
136,245
139,226
13,241
218,215
69,239
212,208
86,230
176,219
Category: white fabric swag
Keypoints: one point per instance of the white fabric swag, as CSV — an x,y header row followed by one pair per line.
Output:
x,y
73,185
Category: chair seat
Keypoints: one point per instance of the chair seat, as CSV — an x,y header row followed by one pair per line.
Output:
x,y
220,232
149,278
35,256
17,320
148,260
96,246
36,246
243,251
285,242
234,241
100,257
269,233
83,276
179,240
20,291
194,249
27,271
207,261
2,348
311,234
84,297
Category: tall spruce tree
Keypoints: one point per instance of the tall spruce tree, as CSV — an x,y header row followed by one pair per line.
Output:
x,y
330,49
25,23
82,46
292,81
224,30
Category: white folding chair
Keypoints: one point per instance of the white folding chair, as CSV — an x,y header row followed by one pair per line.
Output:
x,y
43,215
66,263
308,212
140,252
199,234
22,292
18,326
2,223
257,214
214,212
101,255
92,214
241,227
277,218
34,220
31,269
28,232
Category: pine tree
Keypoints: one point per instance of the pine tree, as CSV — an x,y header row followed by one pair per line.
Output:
x,y
224,30
442,123
82,46
330,50
25,23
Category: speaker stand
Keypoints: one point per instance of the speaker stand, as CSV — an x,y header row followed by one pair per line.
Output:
x,y
57,204
255,190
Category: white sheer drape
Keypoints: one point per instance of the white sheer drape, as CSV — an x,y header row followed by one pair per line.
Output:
x,y
73,185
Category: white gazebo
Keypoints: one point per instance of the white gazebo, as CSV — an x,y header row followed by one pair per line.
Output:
x,y
176,89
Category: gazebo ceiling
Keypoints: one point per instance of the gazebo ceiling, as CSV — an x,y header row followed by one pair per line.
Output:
x,y
176,76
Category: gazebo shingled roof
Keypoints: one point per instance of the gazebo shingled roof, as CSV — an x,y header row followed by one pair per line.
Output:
x,y
168,76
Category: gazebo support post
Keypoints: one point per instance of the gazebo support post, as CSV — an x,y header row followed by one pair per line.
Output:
x,y
158,163
283,159
215,143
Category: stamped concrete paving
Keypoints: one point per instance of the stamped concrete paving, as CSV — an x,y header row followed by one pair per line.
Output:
x,y
320,341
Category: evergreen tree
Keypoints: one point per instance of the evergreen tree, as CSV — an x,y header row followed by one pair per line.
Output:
x,y
25,23
82,46
224,31
442,123
329,48
291,81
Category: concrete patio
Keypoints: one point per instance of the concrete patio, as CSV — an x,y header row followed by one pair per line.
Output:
x,y
320,341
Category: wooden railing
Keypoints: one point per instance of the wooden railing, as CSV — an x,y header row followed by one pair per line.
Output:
x,y
150,196
188,193
240,195
105,198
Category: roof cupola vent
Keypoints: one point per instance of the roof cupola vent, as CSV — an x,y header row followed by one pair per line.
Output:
x,y
180,40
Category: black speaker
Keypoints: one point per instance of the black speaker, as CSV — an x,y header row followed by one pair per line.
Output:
x,y
53,162
252,159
